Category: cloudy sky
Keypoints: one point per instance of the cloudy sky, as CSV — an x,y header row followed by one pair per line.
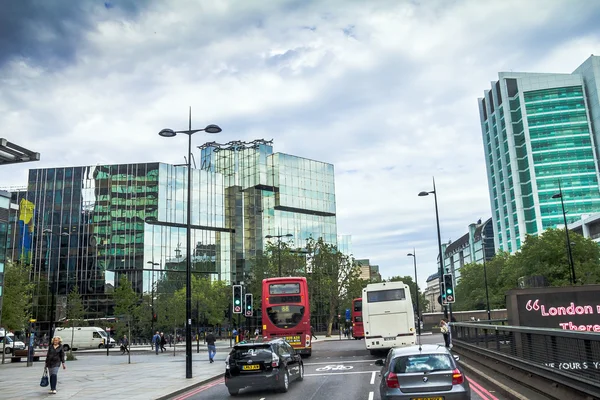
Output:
x,y
384,90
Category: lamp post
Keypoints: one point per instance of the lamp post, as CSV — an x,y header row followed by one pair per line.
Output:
x,y
414,256
54,276
440,255
487,295
279,245
560,196
188,277
154,264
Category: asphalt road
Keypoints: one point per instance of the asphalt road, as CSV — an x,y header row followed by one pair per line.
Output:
x,y
337,370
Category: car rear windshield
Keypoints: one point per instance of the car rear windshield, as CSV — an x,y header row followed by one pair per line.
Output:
x,y
422,363
262,352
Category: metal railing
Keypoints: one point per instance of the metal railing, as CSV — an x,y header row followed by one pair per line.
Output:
x,y
561,355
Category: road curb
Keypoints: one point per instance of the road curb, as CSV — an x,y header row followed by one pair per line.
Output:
x,y
191,387
502,388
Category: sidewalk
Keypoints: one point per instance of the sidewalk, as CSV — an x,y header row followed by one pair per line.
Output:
x,y
95,376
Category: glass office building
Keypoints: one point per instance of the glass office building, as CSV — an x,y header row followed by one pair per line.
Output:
x,y
87,226
538,131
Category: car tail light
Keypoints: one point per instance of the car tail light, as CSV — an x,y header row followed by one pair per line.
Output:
x,y
274,361
392,380
457,377
227,362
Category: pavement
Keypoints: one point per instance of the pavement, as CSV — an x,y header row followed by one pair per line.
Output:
x,y
97,376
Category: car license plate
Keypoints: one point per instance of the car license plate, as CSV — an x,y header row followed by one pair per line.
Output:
x,y
426,398
390,338
250,367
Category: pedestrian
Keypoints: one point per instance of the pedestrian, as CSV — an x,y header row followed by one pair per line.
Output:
x,y
312,332
212,349
124,345
163,342
54,358
156,341
444,328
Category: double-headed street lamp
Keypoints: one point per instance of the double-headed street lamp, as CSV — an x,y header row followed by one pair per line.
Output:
x,y
560,196
414,256
279,245
54,275
188,277
441,257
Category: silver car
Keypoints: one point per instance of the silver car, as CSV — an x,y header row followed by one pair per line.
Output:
x,y
425,372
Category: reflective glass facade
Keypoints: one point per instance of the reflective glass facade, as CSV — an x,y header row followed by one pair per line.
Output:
x,y
536,132
4,218
86,226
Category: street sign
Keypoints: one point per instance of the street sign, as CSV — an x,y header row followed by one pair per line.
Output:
x,y
248,313
237,309
347,314
450,298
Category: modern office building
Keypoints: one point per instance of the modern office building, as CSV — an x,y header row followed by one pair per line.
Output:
x,y
540,129
89,225
368,272
472,247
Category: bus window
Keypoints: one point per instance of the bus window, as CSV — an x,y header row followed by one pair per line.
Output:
x,y
284,288
285,316
358,306
386,295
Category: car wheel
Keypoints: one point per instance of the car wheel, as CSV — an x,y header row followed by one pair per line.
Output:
x,y
233,392
66,347
7,350
285,384
301,376
100,346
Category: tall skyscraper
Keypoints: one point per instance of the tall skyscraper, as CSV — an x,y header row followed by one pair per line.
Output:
x,y
87,226
538,130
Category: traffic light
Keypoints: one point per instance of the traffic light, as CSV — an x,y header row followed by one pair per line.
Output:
x,y
449,288
237,299
154,317
248,305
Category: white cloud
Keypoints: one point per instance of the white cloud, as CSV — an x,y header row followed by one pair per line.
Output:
x,y
384,90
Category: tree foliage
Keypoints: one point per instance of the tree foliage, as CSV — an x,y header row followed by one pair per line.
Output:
x,y
17,298
75,312
127,303
544,255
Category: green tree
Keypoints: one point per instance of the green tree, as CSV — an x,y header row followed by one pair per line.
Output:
x,y
210,298
75,313
17,298
127,304
414,290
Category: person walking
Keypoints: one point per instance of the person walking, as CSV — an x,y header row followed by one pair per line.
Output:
x,y
54,358
445,329
312,332
124,345
212,348
156,342
163,342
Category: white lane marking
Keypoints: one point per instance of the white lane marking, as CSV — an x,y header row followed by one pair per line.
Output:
x,y
341,373
334,368
342,362
373,377
370,395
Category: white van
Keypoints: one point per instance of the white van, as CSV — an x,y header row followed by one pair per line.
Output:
x,y
84,337
11,343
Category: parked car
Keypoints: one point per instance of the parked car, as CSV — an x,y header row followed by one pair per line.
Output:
x,y
11,343
271,364
425,371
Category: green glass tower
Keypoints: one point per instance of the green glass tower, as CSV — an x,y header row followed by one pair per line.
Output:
x,y
537,131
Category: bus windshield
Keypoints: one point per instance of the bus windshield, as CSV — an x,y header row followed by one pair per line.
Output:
x,y
285,316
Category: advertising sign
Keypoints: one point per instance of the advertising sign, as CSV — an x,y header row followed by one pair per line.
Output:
x,y
575,308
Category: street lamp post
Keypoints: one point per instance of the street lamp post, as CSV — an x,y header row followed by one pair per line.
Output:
x,y
154,264
560,196
54,277
487,295
439,237
279,246
188,277
414,256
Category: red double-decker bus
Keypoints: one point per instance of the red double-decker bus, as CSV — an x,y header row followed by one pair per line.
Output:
x,y
286,312
358,331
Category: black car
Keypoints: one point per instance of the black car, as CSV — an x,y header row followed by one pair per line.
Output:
x,y
271,364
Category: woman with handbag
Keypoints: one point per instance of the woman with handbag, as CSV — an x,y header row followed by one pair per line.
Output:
x,y
54,358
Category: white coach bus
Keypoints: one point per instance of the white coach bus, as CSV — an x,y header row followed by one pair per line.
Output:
x,y
388,316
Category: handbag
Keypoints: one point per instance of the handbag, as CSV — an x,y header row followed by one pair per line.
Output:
x,y
44,382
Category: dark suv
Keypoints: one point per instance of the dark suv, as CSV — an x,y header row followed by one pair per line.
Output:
x,y
270,364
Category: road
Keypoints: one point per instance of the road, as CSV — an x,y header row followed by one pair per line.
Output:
x,y
337,370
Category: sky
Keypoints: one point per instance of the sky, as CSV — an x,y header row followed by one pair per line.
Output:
x,y
386,91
